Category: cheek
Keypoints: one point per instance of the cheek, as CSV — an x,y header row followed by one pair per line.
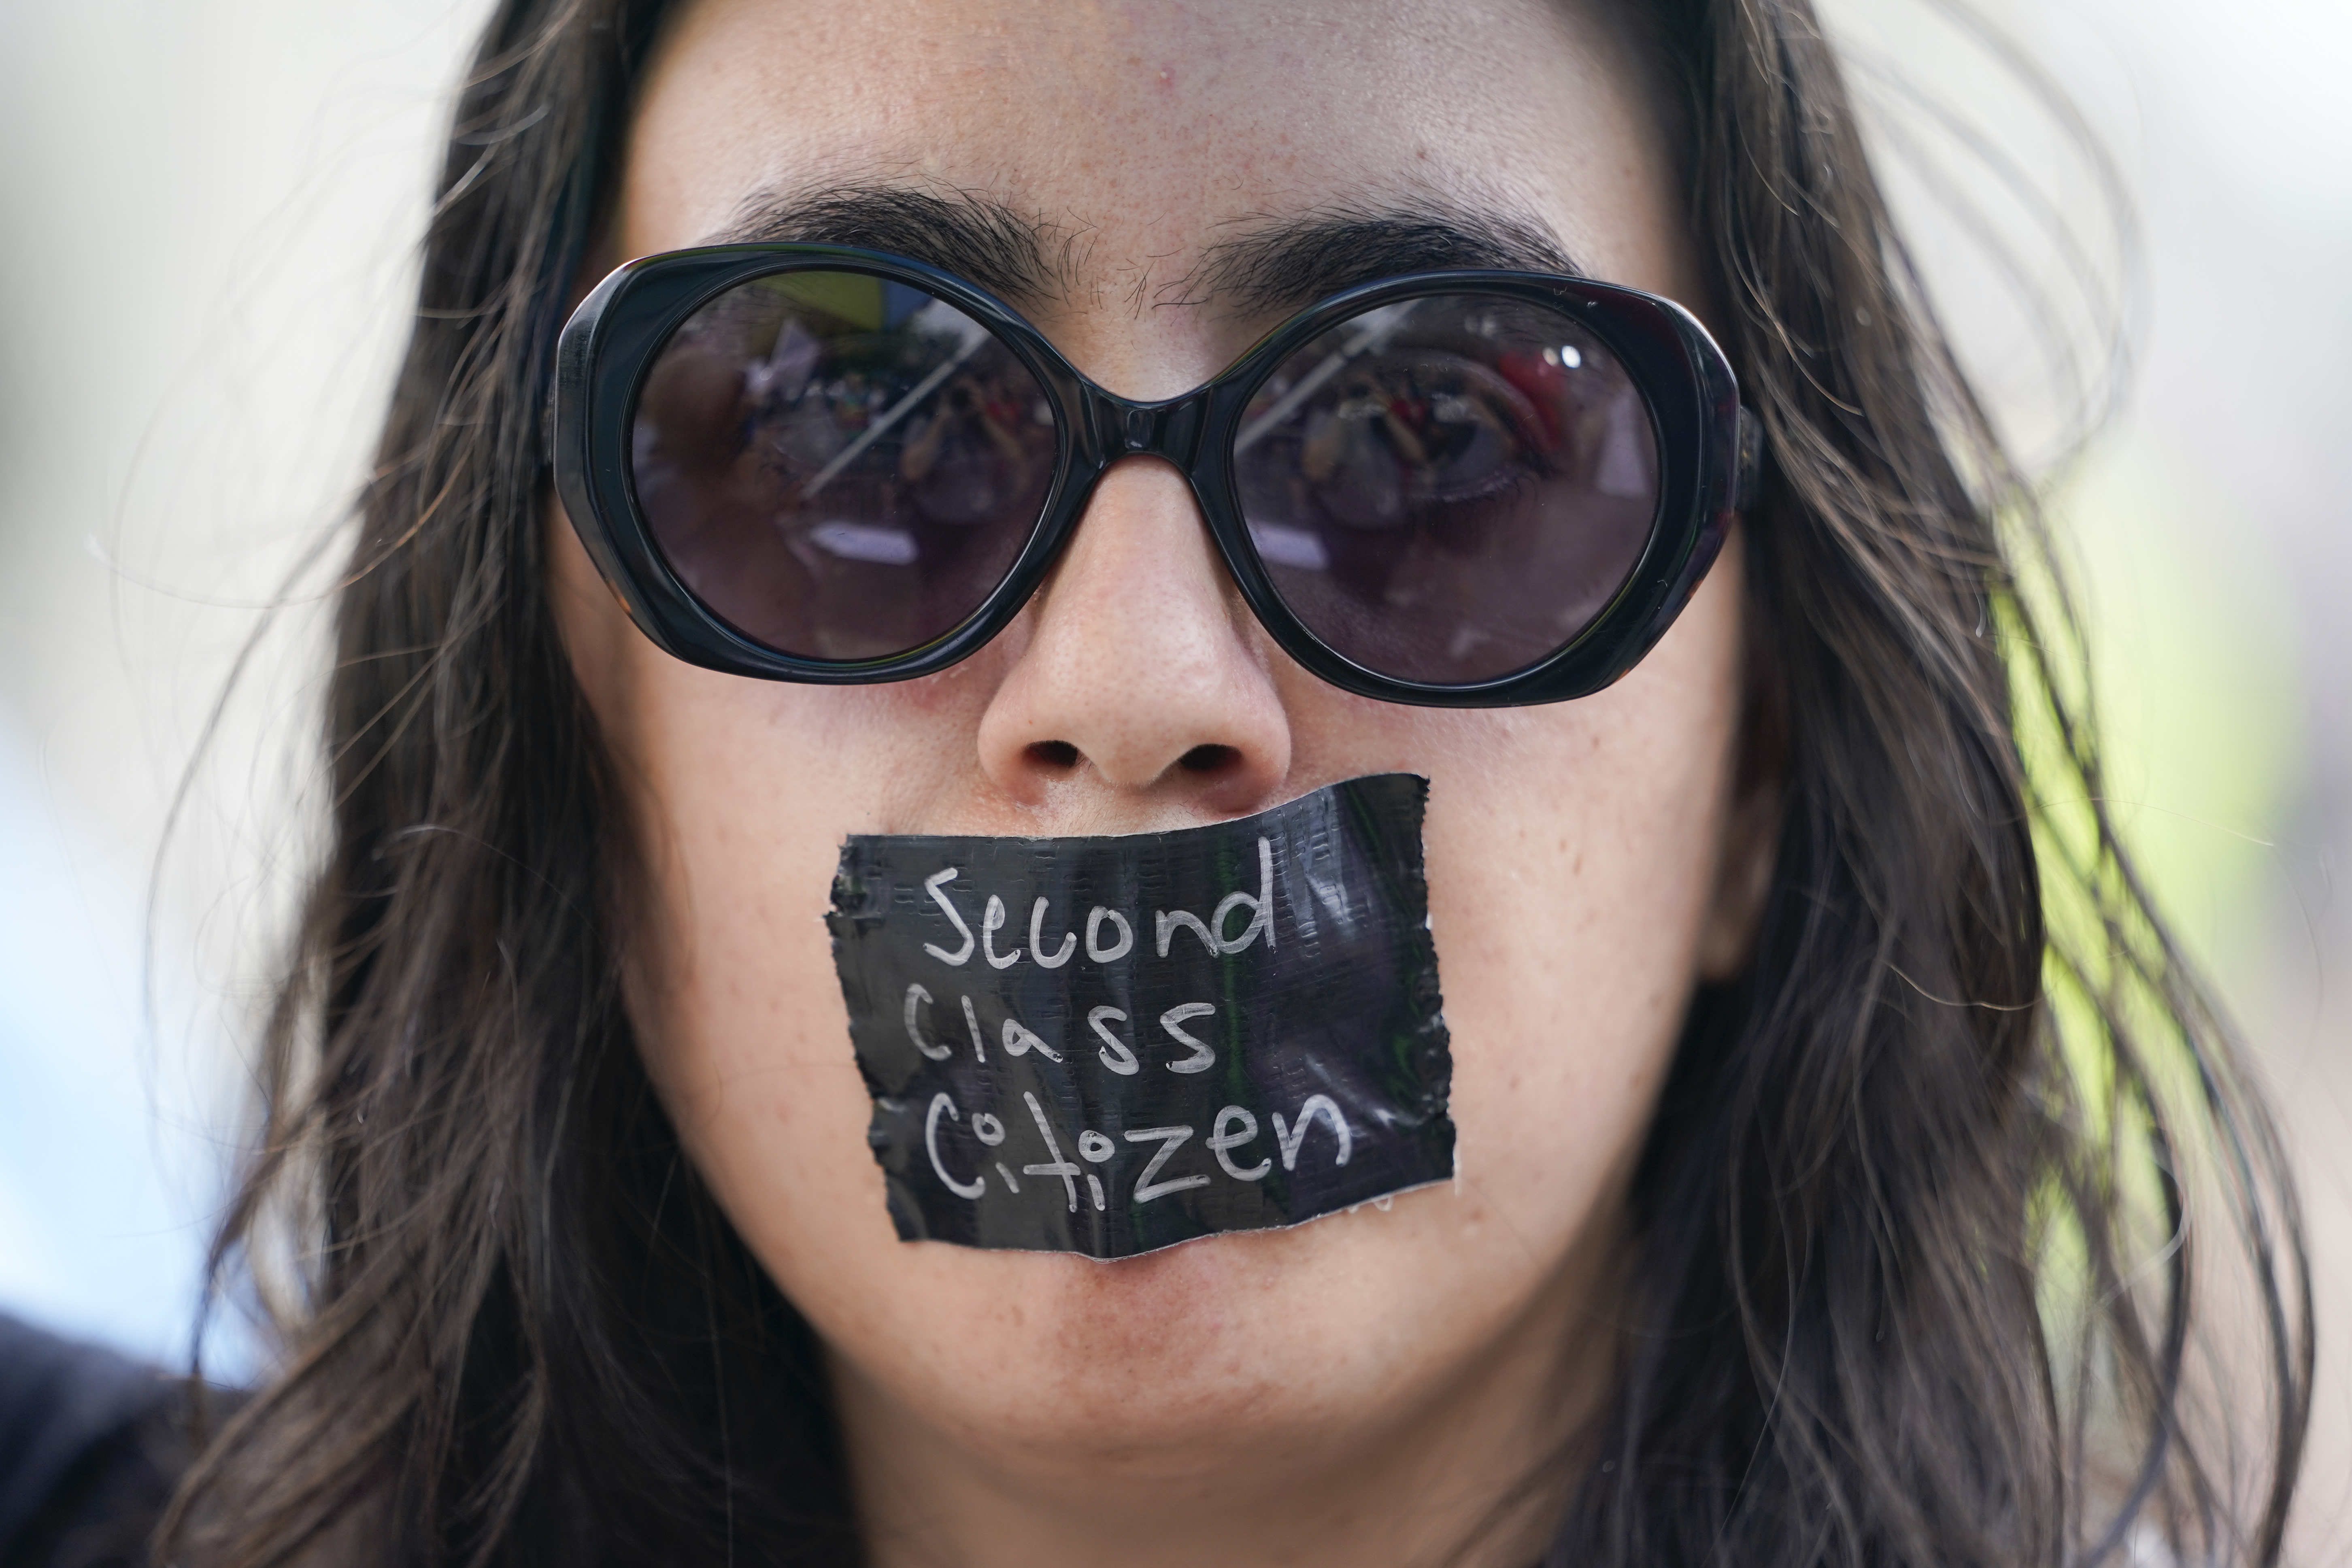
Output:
x,y
1572,861
742,799
738,795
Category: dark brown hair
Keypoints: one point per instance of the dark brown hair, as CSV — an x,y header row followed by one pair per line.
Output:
x,y
1912,1273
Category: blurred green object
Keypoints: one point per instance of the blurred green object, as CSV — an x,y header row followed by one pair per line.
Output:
x,y
2195,671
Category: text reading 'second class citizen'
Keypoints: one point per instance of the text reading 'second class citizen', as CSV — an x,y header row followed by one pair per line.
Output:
x,y
1106,1046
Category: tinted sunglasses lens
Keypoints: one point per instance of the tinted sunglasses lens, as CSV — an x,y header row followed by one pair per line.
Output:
x,y
1449,489
840,466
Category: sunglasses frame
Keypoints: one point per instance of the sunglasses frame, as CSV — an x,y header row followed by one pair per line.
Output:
x,y
1706,447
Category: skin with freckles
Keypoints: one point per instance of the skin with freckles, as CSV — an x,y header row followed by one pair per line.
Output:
x,y
1365,1387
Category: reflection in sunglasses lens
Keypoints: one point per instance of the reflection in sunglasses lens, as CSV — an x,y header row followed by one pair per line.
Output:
x,y
1449,488
839,466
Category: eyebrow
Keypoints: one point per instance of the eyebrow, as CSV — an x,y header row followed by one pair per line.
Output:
x,y
969,234
1274,263
1286,263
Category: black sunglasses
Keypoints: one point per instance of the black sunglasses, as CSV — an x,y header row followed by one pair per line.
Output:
x,y
1466,489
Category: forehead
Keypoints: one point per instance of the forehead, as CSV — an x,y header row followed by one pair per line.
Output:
x,y
1137,141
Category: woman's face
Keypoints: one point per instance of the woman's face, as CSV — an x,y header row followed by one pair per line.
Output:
x,y
1588,862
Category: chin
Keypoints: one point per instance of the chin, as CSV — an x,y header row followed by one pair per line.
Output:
x,y
1172,1363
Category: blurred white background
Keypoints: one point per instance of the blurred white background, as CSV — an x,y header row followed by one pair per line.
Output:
x,y
216,203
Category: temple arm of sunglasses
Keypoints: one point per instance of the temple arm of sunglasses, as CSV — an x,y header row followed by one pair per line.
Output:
x,y
1751,459
896,412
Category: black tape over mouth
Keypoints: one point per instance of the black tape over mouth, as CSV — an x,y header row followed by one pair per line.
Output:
x,y
1107,1045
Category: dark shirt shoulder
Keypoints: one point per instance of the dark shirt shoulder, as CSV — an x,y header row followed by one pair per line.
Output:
x,y
91,1445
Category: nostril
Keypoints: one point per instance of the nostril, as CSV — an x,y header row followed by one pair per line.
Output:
x,y
1208,759
1063,756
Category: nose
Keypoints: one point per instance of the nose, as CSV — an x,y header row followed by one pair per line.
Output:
x,y
1139,680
